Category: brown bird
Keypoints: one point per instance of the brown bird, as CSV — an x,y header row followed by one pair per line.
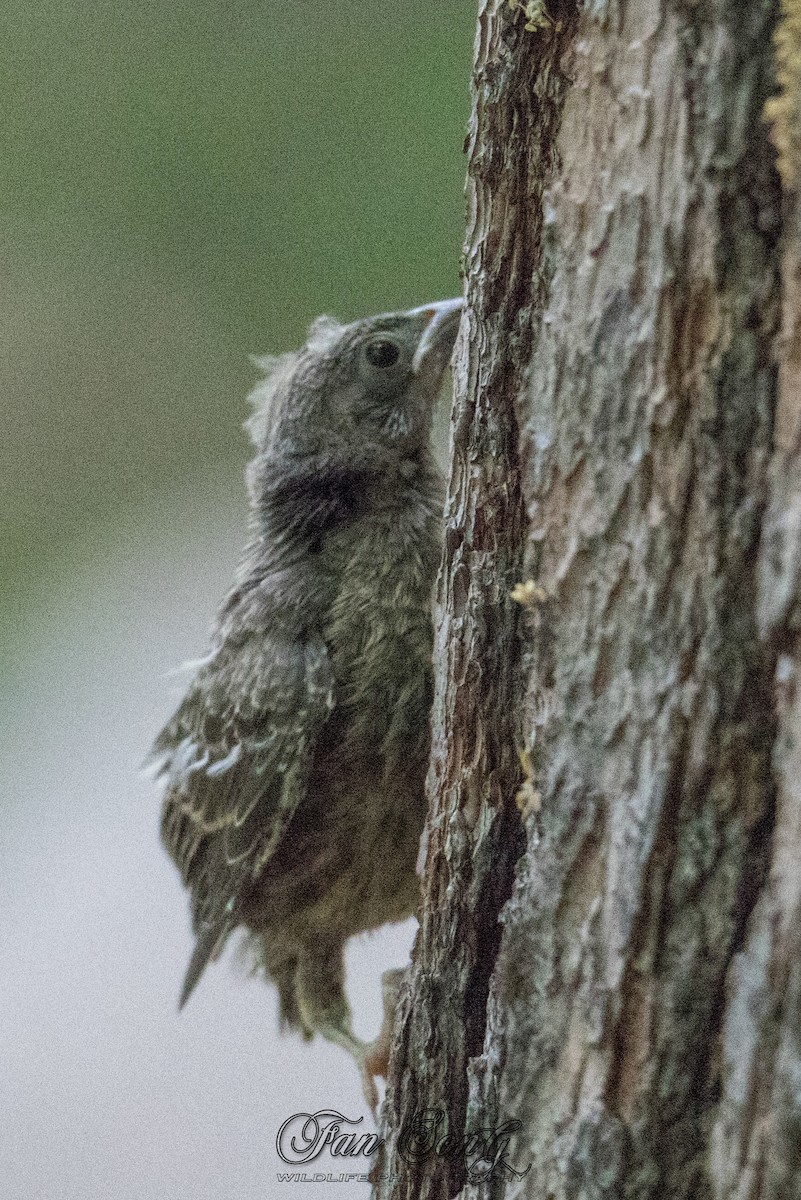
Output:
x,y
295,764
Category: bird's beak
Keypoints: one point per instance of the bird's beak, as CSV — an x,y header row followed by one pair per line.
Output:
x,y
435,347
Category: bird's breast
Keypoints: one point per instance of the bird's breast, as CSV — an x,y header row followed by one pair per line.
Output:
x,y
380,638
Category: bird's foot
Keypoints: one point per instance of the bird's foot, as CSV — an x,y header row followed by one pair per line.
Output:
x,y
370,1067
375,1063
372,1058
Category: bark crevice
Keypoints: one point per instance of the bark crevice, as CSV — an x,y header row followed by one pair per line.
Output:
x,y
475,836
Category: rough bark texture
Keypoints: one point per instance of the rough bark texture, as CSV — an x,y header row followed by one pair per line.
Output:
x,y
756,1141
475,835
621,973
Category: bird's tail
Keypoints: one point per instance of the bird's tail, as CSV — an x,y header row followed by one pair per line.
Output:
x,y
209,944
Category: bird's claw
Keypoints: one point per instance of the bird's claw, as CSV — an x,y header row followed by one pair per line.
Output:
x,y
370,1068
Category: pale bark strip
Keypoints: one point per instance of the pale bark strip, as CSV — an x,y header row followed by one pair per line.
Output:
x,y
756,1143
648,437
476,835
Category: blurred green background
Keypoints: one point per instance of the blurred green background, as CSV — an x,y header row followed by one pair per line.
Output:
x,y
184,184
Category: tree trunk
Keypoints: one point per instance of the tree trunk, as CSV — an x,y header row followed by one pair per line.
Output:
x,y
610,980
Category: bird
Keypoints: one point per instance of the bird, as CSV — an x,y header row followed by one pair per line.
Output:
x,y
294,767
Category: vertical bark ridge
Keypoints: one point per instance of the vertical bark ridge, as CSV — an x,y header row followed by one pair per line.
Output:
x,y
475,835
755,1145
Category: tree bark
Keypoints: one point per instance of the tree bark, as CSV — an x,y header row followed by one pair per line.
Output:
x,y
610,980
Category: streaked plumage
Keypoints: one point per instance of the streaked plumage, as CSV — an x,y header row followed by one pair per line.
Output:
x,y
294,766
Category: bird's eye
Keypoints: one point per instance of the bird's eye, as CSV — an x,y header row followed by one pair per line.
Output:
x,y
382,353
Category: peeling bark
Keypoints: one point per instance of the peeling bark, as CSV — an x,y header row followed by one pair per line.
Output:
x,y
620,974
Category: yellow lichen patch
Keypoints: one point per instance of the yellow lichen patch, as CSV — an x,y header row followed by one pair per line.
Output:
x,y
536,14
528,593
784,110
527,798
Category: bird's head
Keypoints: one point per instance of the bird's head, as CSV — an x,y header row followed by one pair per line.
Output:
x,y
358,395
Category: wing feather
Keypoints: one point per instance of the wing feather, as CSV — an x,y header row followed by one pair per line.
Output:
x,y
236,758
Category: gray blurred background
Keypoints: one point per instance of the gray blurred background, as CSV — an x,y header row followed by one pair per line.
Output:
x,y
182,185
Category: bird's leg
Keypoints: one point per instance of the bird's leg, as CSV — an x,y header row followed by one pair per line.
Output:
x,y
284,974
324,1008
376,1061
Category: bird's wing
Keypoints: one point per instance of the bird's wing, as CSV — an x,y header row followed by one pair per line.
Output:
x,y
236,757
